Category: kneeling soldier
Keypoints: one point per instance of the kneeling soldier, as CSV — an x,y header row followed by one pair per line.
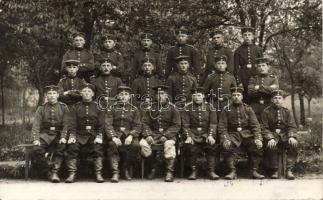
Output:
x,y
87,124
161,125
123,127
199,132
238,126
279,131
49,130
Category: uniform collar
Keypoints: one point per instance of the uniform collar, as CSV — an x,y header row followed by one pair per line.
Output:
x,y
78,49
109,50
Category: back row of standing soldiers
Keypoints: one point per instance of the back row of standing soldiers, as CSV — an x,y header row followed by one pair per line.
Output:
x,y
91,108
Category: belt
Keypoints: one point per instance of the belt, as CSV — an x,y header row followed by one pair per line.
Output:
x,y
86,128
52,128
238,128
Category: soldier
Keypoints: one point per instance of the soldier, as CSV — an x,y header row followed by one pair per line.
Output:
x,y
260,87
239,127
181,82
161,125
86,58
123,127
244,60
49,130
86,134
279,131
180,49
142,86
199,133
215,50
146,50
218,84
70,86
108,51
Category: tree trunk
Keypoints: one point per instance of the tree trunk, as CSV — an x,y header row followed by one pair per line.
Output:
x,y
302,108
2,101
293,100
24,106
309,106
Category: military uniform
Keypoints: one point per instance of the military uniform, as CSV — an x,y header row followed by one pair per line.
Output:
x,y
142,88
73,86
119,68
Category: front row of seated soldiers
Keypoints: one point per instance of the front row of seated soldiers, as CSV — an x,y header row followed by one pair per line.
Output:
x,y
98,130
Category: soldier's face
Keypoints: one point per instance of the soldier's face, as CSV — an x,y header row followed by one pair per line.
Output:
x,y
181,38
198,98
263,68
236,97
52,96
146,43
79,42
162,96
148,68
72,69
106,68
277,100
124,96
87,94
218,39
248,37
183,65
109,44
221,66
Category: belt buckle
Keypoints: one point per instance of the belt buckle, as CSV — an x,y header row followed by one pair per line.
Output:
x,y
52,128
221,99
147,99
249,66
161,130
239,129
122,128
261,101
88,127
198,128
277,130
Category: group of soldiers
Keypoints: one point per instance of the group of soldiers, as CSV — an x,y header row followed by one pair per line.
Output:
x,y
93,111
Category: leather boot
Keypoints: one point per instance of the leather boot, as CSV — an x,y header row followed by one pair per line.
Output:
x,y
257,175
71,167
152,174
115,169
170,164
290,175
98,166
232,174
274,175
151,165
55,170
211,165
193,175
127,174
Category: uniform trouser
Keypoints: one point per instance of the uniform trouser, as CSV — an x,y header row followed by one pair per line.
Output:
x,y
40,151
248,145
271,155
91,149
191,151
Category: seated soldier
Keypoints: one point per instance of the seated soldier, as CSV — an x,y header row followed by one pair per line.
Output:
x,y
123,127
69,87
238,127
49,130
279,131
199,133
86,134
161,125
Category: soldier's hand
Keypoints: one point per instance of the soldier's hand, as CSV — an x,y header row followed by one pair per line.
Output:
x,y
258,143
66,92
62,141
257,87
274,86
210,140
98,141
189,140
117,141
271,144
150,140
36,142
128,140
71,140
226,144
163,139
292,141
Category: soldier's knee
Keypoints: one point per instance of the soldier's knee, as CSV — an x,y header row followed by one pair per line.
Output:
x,y
146,150
169,149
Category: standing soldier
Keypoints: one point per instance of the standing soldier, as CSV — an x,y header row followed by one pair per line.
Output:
x,y
238,126
216,50
180,49
161,125
244,60
279,131
87,126
70,86
84,56
218,84
49,130
108,51
260,87
199,133
145,51
123,127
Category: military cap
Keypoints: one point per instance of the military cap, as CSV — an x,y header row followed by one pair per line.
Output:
x,y
146,35
108,37
106,59
160,87
88,85
278,93
181,57
216,32
71,61
247,29
218,58
78,34
123,88
182,30
236,89
51,88
198,90
147,59
261,60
